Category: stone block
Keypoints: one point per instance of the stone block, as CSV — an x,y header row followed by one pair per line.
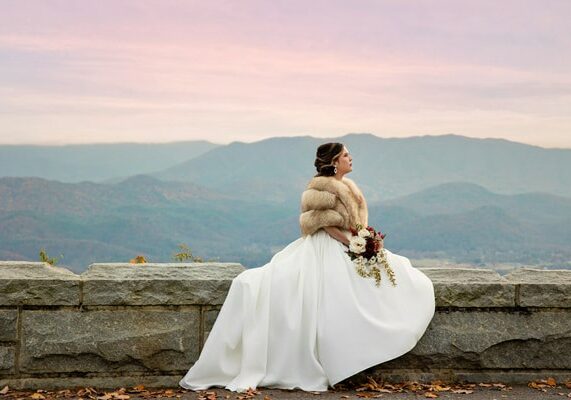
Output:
x,y
38,284
109,341
542,288
465,287
209,317
158,284
7,359
8,325
493,340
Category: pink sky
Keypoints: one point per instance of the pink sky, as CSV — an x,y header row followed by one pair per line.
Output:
x,y
156,71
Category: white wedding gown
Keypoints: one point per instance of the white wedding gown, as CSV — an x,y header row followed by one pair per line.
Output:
x,y
307,320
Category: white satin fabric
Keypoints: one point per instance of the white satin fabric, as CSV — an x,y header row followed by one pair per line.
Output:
x,y
307,320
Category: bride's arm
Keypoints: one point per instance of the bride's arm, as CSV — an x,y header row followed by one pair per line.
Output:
x,y
336,233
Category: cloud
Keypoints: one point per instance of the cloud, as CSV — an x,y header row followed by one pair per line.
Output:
x,y
258,69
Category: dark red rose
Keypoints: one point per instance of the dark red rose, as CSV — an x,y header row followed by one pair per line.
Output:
x,y
368,254
370,246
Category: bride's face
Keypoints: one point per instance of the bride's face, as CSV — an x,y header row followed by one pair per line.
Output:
x,y
344,162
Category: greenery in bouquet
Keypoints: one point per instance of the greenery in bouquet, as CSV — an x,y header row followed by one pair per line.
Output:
x,y
368,254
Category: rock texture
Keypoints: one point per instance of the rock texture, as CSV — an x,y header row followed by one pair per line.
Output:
x,y
542,288
109,340
158,284
8,325
7,359
470,288
125,324
33,283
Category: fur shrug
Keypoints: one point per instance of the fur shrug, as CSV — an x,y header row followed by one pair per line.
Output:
x,y
328,201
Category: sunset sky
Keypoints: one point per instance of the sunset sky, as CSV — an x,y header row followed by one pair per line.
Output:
x,y
167,70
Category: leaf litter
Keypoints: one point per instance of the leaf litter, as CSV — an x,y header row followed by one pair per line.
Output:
x,y
370,389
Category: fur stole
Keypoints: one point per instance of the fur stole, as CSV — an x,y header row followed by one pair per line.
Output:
x,y
328,201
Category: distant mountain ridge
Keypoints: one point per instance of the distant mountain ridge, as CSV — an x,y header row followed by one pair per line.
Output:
x,y
45,196
277,169
468,196
95,162
467,222
384,168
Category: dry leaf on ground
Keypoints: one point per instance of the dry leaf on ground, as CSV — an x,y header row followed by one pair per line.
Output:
x,y
551,381
207,396
248,394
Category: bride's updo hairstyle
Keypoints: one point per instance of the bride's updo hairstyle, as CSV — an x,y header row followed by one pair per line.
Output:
x,y
325,158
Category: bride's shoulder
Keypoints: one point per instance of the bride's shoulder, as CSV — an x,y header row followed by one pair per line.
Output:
x,y
354,188
320,182
349,182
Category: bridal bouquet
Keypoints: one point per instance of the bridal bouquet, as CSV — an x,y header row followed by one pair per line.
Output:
x,y
367,253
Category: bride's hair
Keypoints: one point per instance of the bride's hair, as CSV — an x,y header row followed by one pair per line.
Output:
x,y
325,158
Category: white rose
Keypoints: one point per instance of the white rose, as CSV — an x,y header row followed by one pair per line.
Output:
x,y
357,244
364,233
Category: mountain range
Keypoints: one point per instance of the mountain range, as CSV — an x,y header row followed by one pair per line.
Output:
x,y
144,216
477,201
96,162
385,168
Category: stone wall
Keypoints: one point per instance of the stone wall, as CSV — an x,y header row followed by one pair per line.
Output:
x,y
125,324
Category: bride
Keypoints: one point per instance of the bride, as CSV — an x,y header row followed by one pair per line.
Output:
x,y
306,319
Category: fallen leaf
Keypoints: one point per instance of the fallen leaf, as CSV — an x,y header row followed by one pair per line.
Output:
x,y
207,396
568,384
4,390
137,389
430,395
37,396
551,381
248,394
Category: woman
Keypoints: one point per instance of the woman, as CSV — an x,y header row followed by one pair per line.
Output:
x,y
306,319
